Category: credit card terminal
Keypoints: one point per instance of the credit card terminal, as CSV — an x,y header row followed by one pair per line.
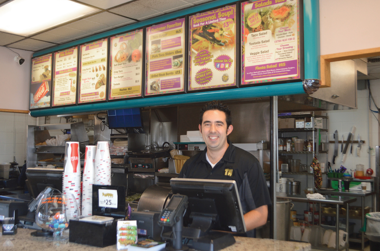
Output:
x,y
172,213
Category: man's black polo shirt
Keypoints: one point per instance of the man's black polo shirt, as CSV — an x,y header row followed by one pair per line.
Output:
x,y
237,165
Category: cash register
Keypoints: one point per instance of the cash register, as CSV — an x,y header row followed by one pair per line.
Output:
x,y
206,212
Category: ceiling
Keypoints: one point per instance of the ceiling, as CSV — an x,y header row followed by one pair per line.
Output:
x,y
111,14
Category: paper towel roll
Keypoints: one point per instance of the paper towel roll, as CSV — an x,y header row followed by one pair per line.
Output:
x,y
71,179
88,180
102,164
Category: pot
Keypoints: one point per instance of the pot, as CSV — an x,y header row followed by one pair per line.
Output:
x,y
296,188
283,208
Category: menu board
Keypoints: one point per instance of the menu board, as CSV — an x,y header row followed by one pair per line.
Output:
x,y
93,71
126,65
165,52
40,88
65,77
212,55
270,41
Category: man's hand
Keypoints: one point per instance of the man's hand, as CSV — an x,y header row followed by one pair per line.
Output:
x,y
256,217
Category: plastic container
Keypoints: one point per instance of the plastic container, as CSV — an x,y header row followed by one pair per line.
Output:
x,y
299,143
4,171
373,230
179,160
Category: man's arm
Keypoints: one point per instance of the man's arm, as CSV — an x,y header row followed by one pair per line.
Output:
x,y
256,217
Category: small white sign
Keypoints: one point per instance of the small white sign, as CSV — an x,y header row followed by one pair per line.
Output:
x,y
108,198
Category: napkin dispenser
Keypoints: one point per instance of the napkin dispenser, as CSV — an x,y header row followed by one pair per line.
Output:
x,y
100,230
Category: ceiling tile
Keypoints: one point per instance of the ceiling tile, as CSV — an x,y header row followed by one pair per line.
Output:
x,y
166,5
100,22
60,34
31,45
6,38
104,4
198,1
136,10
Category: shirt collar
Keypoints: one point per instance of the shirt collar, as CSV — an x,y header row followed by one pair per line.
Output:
x,y
227,157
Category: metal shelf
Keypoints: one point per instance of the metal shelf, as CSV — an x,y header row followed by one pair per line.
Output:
x,y
50,149
301,130
300,152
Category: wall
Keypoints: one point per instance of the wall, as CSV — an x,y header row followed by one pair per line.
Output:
x,y
14,80
366,126
349,25
13,132
343,28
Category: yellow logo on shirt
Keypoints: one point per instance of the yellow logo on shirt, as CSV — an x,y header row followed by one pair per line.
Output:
x,y
228,172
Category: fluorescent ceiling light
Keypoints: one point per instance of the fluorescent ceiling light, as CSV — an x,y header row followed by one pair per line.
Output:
x,y
26,17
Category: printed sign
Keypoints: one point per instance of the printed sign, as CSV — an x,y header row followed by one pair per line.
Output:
x,y
126,65
40,87
270,41
212,49
93,71
165,64
65,77
108,198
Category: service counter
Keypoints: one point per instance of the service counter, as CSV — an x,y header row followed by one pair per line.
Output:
x,y
24,241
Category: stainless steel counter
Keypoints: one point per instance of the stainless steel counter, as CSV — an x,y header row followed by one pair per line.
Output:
x,y
336,200
361,195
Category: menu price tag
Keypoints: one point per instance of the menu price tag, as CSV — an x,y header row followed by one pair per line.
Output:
x,y
108,198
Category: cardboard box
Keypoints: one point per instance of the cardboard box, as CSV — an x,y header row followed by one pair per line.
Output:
x,y
318,123
300,123
285,123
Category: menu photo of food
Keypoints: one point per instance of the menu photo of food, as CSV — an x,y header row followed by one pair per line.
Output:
x,y
93,69
212,55
126,65
270,41
40,87
165,58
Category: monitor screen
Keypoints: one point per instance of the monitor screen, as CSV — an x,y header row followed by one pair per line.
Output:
x,y
217,199
124,118
40,178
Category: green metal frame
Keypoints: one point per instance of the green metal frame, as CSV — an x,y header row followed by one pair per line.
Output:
x,y
311,65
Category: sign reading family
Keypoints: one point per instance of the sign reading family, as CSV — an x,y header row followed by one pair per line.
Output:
x,y
270,41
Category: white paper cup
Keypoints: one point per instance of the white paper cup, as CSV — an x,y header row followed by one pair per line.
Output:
x,y
88,180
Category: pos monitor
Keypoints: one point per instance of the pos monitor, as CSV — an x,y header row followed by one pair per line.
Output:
x,y
40,178
213,207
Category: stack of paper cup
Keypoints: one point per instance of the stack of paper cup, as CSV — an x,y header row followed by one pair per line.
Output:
x,y
88,180
71,179
103,164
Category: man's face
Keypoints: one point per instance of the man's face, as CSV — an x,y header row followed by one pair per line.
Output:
x,y
214,130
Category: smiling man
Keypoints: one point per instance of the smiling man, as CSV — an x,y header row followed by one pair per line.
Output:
x,y
222,160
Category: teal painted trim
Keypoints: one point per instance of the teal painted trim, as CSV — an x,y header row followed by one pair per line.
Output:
x,y
311,39
138,25
227,94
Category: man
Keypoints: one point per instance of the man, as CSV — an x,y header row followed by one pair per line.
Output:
x,y
222,160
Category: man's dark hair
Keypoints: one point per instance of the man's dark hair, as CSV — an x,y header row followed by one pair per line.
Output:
x,y
216,105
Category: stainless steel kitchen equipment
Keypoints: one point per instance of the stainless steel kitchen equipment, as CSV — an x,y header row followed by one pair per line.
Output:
x,y
143,168
283,208
296,190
